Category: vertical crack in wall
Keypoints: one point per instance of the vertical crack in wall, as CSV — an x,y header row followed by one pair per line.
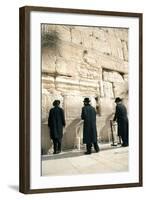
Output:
x,y
113,90
70,29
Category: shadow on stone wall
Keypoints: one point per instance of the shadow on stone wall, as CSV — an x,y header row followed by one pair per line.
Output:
x,y
46,143
105,132
67,140
69,134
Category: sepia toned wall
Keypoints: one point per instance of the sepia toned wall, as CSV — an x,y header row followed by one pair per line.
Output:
x,y
80,62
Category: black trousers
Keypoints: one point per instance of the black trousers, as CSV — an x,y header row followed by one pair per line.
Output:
x,y
57,145
89,145
125,139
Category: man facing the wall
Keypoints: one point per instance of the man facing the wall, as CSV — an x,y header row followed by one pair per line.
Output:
x,y
56,121
89,127
122,121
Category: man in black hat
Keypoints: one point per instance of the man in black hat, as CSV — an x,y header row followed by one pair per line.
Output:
x,y
89,127
122,121
56,121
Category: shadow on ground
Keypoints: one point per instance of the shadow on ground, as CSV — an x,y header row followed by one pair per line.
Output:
x,y
65,154
76,153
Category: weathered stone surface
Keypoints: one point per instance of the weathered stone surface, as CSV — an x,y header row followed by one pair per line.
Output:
x,y
45,139
100,34
70,51
125,50
107,109
114,64
47,100
80,62
48,60
112,76
125,76
67,68
107,106
108,89
120,89
72,106
102,46
64,33
76,36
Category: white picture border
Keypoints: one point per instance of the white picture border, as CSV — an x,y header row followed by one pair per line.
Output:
x,y
132,176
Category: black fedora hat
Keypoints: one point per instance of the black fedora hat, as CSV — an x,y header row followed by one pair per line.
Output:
x,y
118,99
56,102
86,100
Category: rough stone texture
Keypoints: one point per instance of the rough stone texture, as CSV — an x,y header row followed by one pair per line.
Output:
x,y
120,89
80,62
108,90
112,77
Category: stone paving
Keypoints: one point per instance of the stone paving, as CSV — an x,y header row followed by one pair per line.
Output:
x,y
73,162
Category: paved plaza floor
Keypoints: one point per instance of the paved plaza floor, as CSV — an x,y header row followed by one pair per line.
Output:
x,y
73,162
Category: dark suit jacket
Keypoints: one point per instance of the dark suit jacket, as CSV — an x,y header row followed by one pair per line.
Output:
x,y
56,121
122,119
89,127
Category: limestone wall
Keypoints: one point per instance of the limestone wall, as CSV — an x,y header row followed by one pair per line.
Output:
x,y
80,62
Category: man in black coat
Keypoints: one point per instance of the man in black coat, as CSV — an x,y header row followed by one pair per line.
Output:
x,y
122,121
89,127
56,121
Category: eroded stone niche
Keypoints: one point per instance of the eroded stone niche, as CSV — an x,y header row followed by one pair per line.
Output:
x,y
80,62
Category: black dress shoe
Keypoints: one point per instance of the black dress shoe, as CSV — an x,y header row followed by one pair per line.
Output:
x,y
124,145
97,150
88,152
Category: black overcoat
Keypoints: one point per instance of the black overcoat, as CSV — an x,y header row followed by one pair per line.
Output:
x,y
89,127
56,121
122,120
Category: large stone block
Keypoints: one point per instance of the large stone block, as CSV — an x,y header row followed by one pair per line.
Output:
x,y
112,76
72,107
107,110
107,106
70,51
69,68
120,89
62,66
122,34
89,70
64,32
100,34
48,60
89,86
76,36
66,84
108,89
113,64
102,46
115,47
104,129
87,37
